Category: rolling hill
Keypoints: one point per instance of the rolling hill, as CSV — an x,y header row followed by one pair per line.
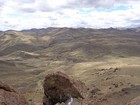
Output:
x,y
107,59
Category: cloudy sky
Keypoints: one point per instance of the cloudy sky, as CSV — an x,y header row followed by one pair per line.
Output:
x,y
26,14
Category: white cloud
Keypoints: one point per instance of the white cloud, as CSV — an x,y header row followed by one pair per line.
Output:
x,y
24,14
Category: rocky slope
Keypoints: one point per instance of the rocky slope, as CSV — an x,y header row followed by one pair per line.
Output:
x,y
8,96
106,60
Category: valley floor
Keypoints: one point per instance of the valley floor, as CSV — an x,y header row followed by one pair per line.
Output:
x,y
117,78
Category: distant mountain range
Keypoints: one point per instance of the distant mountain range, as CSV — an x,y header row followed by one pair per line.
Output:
x,y
72,44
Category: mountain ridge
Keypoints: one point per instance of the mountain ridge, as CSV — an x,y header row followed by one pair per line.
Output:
x,y
86,39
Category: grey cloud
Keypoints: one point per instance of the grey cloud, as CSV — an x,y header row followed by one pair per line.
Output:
x,y
24,1
82,4
25,5
1,3
134,23
42,5
97,3
92,3
1,6
7,26
56,16
28,10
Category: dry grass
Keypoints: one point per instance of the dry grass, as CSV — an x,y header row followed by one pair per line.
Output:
x,y
89,55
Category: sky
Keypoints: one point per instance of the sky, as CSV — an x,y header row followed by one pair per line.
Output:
x,y
27,14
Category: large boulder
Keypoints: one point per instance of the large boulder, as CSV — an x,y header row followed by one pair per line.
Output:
x,y
8,96
61,89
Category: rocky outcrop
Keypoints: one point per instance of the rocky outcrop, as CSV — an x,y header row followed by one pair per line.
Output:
x,y
60,89
8,96
135,101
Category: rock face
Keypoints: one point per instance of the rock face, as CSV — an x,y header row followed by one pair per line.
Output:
x,y
135,101
9,96
59,89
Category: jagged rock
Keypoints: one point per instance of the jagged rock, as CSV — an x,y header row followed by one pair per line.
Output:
x,y
135,101
59,88
8,96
